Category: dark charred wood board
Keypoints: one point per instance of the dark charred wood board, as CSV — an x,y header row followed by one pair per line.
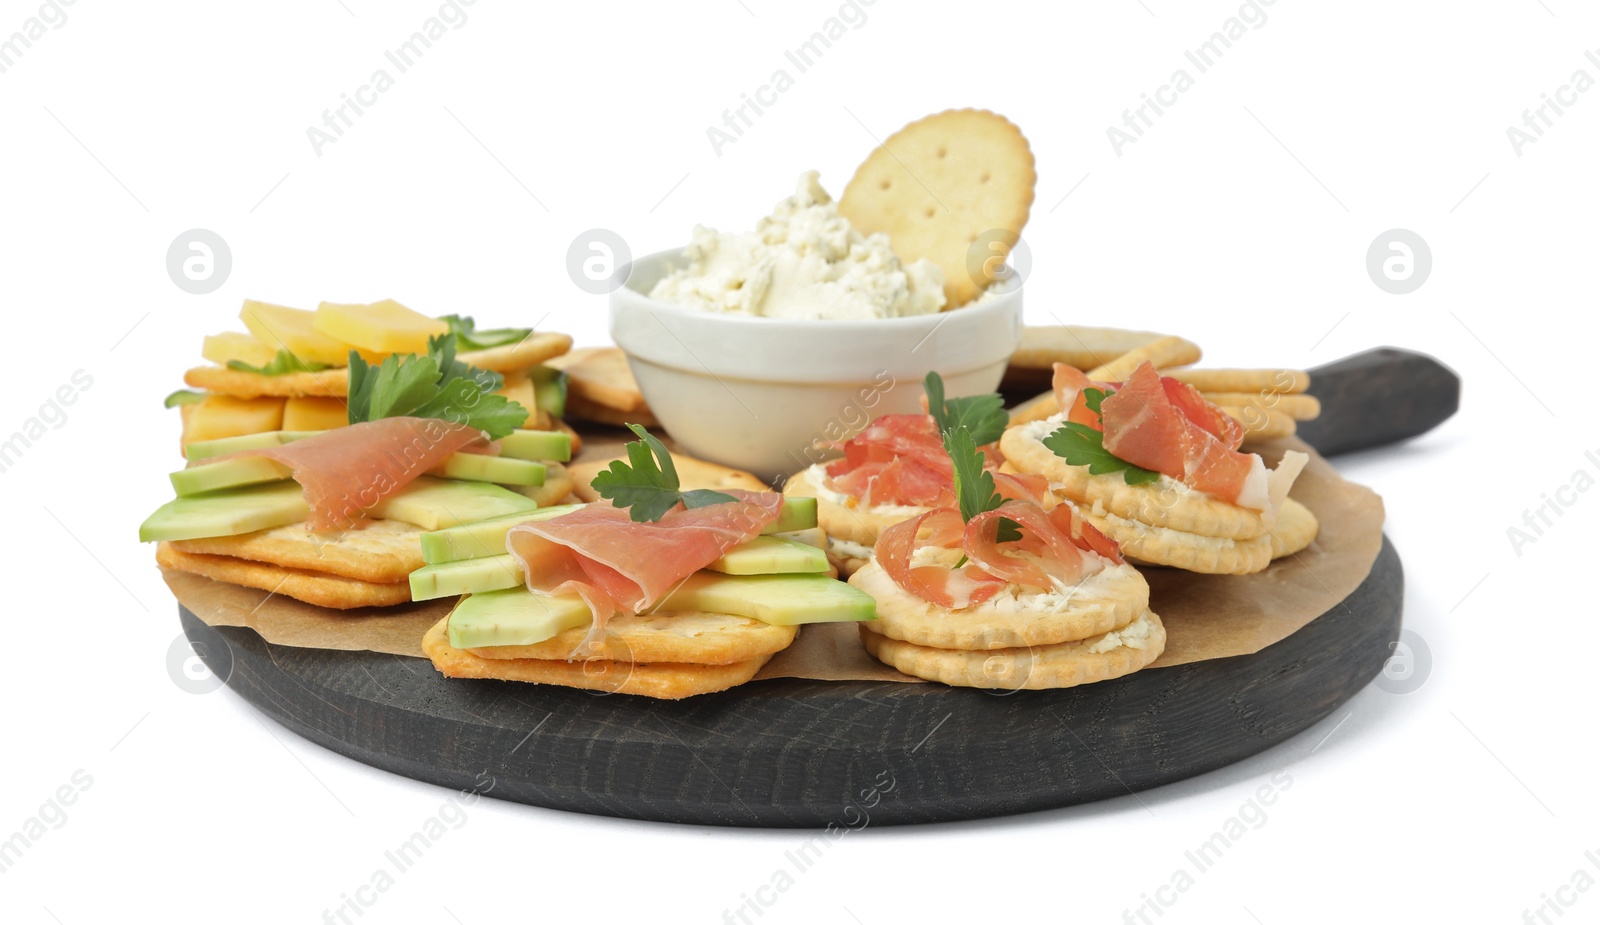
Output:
x,y
798,753
788,752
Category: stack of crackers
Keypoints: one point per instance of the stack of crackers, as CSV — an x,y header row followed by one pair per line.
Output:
x,y
366,565
601,387
236,402
1267,402
1105,631
1155,524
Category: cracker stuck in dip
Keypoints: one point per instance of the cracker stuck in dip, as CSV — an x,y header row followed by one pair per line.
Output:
x,y
804,261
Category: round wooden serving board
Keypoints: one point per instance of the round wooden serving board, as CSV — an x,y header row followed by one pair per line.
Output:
x,y
788,752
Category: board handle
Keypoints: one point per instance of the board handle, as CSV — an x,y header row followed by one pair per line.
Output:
x,y
1382,396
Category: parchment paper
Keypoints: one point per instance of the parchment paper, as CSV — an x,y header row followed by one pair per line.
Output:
x,y
1206,616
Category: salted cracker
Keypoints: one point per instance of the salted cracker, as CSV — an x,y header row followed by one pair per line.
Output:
x,y
379,551
1067,664
661,680
939,183
690,636
1191,552
321,589
1163,503
1295,529
1107,601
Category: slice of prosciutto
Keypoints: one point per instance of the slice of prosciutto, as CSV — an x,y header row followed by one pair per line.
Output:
x,y
897,459
618,565
900,459
1056,550
955,588
1167,426
348,469
1068,383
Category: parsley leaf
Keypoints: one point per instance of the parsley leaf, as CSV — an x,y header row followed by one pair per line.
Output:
x,y
647,484
468,337
974,484
1082,445
433,386
443,350
284,362
984,416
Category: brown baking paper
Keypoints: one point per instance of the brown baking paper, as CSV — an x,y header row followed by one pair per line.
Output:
x,y
1206,616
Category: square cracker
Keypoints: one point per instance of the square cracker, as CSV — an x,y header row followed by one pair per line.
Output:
x,y
1077,345
316,588
380,551
601,376
662,680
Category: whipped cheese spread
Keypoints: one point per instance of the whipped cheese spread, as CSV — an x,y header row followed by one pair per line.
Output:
x,y
1134,636
1012,599
846,548
804,261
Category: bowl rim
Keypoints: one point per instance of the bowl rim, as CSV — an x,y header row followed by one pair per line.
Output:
x,y
1002,299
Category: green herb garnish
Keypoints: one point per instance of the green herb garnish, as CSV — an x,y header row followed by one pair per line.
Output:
x,y
433,386
964,425
284,362
1082,445
647,484
468,337
984,416
183,397
974,484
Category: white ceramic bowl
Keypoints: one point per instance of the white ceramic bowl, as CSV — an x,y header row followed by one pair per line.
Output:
x,y
759,393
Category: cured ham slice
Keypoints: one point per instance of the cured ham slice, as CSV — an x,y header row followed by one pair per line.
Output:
x,y
1056,550
900,459
1068,382
897,459
953,588
1022,486
1165,425
1044,557
615,564
348,469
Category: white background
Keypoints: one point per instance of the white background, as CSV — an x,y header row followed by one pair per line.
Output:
x,y
1240,220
